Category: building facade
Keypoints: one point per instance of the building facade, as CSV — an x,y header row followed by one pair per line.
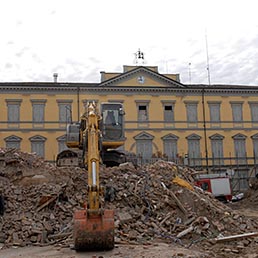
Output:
x,y
204,126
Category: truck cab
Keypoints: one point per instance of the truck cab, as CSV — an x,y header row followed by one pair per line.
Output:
x,y
218,185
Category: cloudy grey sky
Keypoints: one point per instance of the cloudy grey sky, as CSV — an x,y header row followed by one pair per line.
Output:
x,y
79,38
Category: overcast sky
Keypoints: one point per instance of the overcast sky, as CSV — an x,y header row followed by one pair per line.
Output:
x,y
78,39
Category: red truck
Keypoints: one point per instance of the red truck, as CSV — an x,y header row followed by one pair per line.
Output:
x,y
218,185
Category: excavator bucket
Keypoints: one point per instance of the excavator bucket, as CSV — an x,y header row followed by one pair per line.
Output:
x,y
93,231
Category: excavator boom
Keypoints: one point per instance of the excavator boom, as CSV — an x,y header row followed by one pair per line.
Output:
x,y
94,226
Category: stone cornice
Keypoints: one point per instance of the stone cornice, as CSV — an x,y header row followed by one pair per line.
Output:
x,y
53,88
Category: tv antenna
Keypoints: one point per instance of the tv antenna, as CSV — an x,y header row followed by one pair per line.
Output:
x,y
190,73
207,55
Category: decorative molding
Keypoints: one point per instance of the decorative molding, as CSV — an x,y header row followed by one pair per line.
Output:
x,y
61,138
239,136
38,101
193,136
37,138
217,137
170,136
85,88
13,138
143,136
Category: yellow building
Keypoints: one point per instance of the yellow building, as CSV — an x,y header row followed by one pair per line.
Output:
x,y
209,126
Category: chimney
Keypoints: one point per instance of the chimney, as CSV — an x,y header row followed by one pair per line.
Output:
x,y
55,75
102,78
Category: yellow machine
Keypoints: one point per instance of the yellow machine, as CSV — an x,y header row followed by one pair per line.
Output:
x,y
94,226
111,128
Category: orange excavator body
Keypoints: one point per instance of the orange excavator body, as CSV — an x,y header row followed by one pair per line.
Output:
x,y
93,226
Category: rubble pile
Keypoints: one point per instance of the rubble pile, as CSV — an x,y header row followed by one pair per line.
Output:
x,y
251,195
150,205
40,199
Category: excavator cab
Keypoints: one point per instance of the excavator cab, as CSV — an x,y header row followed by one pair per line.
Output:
x,y
112,129
112,125
73,135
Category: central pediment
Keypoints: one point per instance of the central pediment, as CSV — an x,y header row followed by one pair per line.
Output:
x,y
140,76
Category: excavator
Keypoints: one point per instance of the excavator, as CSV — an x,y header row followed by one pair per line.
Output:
x,y
94,225
111,129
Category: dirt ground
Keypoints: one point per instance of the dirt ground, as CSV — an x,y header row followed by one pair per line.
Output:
x,y
161,250
153,250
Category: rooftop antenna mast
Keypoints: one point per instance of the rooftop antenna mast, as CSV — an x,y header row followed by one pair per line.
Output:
x,y
139,57
190,74
207,55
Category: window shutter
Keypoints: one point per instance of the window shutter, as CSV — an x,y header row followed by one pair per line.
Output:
x,y
144,148
191,112
254,112
214,112
194,151
38,147
13,112
237,112
170,148
38,112
168,113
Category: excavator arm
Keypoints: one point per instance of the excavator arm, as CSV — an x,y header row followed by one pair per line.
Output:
x,y
93,160
93,226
